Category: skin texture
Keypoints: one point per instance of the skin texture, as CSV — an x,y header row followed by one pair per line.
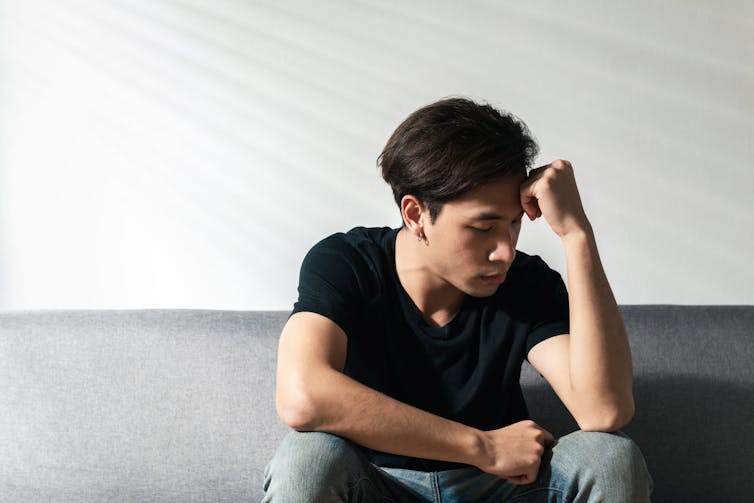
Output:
x,y
466,251
472,238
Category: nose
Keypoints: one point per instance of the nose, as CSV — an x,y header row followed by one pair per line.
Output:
x,y
504,251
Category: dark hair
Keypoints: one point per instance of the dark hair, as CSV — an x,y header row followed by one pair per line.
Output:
x,y
450,147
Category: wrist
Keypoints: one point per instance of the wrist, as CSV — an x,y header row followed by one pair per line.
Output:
x,y
479,451
580,234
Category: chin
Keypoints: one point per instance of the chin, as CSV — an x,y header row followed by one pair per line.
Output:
x,y
480,288
481,292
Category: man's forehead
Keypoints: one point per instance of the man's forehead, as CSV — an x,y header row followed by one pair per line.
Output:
x,y
499,200
499,209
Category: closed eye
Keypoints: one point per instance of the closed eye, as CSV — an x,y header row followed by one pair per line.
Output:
x,y
480,229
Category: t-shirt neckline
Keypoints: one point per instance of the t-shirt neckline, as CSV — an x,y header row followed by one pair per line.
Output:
x,y
412,312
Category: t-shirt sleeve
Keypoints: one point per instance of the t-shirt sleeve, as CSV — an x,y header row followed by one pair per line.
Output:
x,y
551,315
329,282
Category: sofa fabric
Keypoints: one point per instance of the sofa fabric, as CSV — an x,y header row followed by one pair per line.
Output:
x,y
177,405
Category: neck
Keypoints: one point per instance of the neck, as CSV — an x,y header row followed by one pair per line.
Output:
x,y
437,300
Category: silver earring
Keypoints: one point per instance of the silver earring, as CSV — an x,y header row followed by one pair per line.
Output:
x,y
420,237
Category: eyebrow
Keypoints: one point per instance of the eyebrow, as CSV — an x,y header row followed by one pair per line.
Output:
x,y
493,216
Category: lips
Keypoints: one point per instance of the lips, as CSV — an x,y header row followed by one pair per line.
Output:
x,y
495,278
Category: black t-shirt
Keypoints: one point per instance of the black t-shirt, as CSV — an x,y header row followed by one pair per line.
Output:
x,y
467,370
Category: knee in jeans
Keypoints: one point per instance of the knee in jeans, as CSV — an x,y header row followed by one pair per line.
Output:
x,y
611,454
605,466
622,454
309,464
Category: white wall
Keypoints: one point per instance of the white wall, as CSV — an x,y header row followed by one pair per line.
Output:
x,y
188,153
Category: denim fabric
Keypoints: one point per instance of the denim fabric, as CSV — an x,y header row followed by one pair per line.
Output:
x,y
580,467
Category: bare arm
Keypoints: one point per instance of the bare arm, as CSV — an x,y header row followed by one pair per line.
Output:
x,y
590,368
314,395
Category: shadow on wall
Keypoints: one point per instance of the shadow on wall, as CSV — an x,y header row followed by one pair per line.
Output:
x,y
696,434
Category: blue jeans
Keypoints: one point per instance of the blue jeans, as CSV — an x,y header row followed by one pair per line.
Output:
x,y
581,467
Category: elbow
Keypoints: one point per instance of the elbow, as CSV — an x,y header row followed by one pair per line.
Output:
x,y
296,416
609,419
296,408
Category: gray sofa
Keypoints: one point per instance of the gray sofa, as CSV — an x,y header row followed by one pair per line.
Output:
x,y
177,405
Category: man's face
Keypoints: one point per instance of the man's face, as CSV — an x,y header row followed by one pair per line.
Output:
x,y
472,242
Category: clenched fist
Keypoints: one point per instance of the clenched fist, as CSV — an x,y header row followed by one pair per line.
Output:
x,y
515,452
551,191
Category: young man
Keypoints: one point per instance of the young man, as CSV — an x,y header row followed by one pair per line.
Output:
x,y
399,367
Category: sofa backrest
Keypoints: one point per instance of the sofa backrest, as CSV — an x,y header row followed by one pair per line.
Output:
x,y
136,405
177,405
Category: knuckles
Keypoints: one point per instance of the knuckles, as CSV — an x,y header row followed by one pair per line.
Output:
x,y
532,462
560,164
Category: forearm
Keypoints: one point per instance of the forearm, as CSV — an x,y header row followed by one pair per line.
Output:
x,y
345,407
600,357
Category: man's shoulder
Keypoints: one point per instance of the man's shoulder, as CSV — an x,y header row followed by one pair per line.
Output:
x,y
363,251
351,266
528,275
358,235
364,241
533,291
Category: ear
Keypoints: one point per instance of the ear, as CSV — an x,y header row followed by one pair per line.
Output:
x,y
414,213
